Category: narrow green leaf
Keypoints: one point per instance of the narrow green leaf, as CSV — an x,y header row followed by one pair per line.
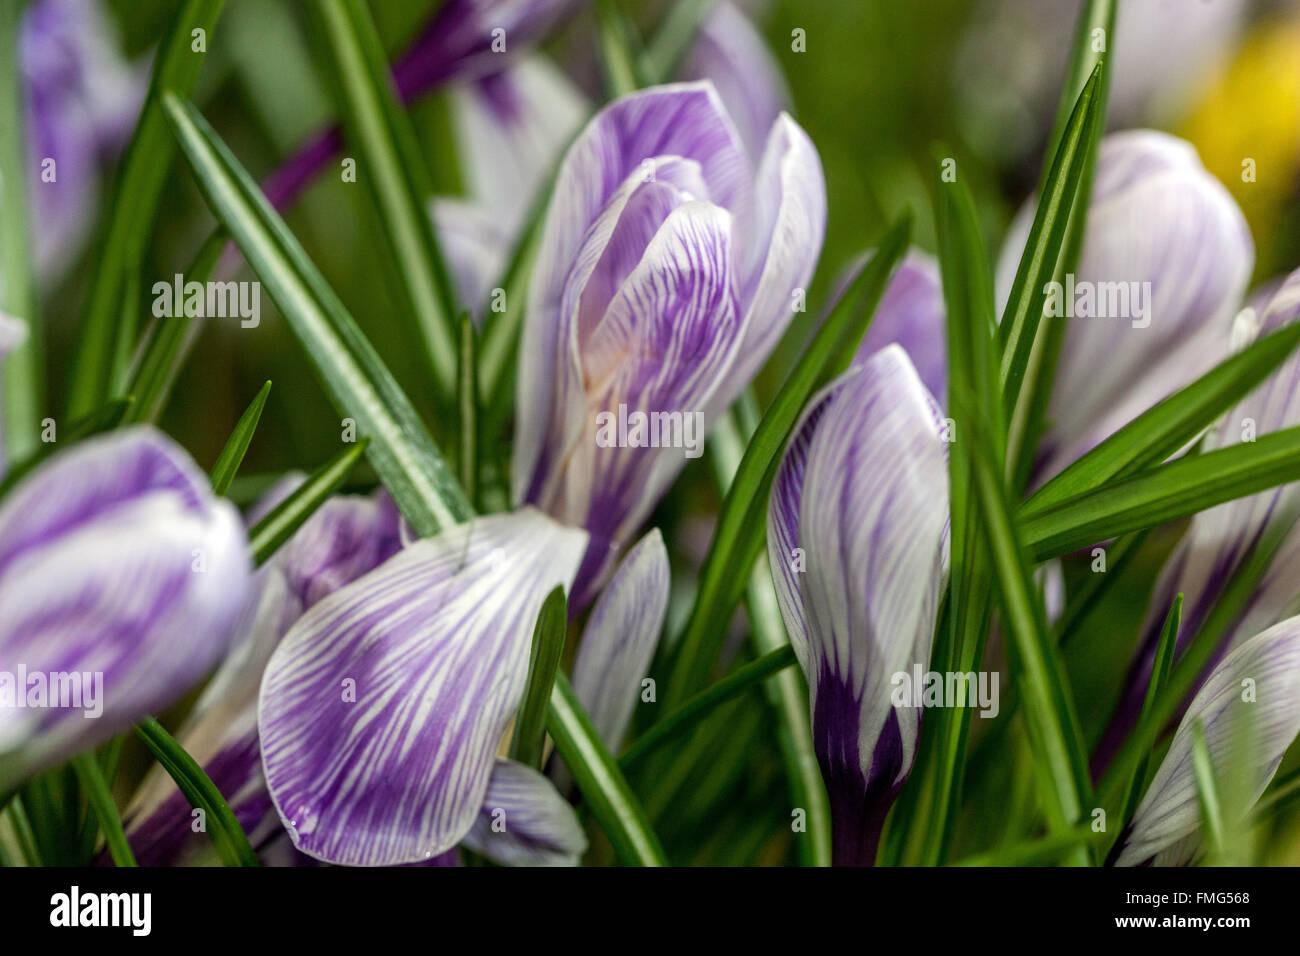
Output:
x,y
362,388
1158,495
1163,429
109,327
1280,796
548,644
1049,849
1066,177
1118,557
290,514
101,420
101,804
223,828
1163,664
396,176
1207,793
672,41
232,455
689,714
467,405
168,341
600,780
23,398
739,534
618,53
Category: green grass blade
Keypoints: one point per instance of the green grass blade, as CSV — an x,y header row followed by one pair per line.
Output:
x,y
232,455
1049,849
674,38
618,51
705,702
543,664
1167,493
95,787
1163,429
223,828
109,328
598,777
1163,664
362,388
1207,793
290,514
168,342
22,402
738,537
1067,176
394,172
467,406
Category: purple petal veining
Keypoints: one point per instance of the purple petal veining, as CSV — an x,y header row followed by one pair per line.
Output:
x,y
524,821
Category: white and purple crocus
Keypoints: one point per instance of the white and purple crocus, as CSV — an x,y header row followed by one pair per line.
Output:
x,y
857,534
669,267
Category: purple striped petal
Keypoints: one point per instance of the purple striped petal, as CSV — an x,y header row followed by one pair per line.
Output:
x,y
1158,217
1249,708
857,540
779,251
347,537
432,648
731,54
911,314
620,639
1218,540
524,821
118,565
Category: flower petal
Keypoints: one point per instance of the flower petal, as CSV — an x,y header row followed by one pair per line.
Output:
x,y
432,648
620,639
1158,217
911,314
524,821
121,571
862,491
1249,707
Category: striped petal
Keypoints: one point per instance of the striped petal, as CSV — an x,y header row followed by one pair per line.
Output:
x,y
1161,230
347,537
731,54
119,571
911,314
524,821
1249,708
857,540
382,708
1218,540
620,639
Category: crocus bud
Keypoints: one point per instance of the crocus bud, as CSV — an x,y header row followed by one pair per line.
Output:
x,y
122,580
857,534
911,314
1249,710
667,271
382,709
1165,262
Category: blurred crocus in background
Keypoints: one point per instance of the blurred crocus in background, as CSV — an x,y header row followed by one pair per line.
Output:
x,y
857,541
667,272
82,101
121,570
382,709
1249,710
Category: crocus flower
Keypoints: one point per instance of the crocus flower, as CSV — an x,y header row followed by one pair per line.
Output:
x,y
122,579
910,314
382,709
1249,709
465,40
347,537
666,274
1164,236
82,99
857,532
1219,539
